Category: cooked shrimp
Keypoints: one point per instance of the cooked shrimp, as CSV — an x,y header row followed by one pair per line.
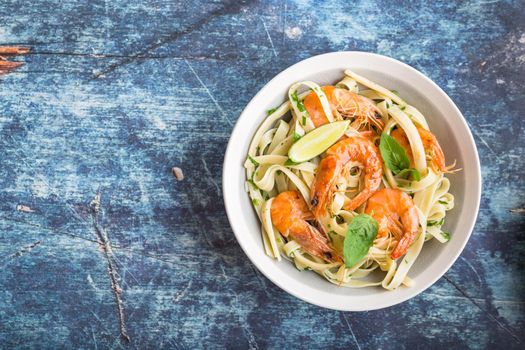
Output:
x,y
289,214
335,163
395,212
344,104
434,153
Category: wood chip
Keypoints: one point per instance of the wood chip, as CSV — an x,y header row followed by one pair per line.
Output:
x,y
24,208
177,172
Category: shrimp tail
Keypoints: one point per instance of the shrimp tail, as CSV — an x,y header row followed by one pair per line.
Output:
x,y
410,221
403,245
439,157
289,214
431,143
358,200
314,243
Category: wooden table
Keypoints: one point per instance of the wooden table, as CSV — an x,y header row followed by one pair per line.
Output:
x,y
115,93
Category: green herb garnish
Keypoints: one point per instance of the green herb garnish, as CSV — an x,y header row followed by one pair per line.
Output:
x,y
360,236
442,202
436,223
270,111
299,103
290,162
446,235
254,162
255,202
251,182
295,136
304,120
412,173
393,154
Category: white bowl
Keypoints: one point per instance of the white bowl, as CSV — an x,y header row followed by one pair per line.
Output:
x,y
446,122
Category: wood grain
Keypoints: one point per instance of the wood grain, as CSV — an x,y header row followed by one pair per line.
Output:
x,y
113,95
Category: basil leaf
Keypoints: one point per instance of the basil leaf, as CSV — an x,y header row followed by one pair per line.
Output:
x,y
413,173
393,154
360,236
416,175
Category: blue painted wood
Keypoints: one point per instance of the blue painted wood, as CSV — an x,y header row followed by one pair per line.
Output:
x,y
115,93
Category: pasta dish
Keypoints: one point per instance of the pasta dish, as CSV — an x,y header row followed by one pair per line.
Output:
x,y
348,181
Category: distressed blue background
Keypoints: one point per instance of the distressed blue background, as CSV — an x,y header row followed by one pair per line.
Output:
x,y
115,93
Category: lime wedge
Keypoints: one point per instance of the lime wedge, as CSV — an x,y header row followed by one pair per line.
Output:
x,y
317,141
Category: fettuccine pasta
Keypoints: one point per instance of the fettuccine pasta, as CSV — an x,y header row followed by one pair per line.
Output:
x,y
386,169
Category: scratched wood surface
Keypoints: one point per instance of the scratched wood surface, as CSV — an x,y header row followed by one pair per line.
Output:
x,y
116,93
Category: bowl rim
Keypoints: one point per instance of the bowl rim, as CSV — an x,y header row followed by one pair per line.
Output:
x,y
414,290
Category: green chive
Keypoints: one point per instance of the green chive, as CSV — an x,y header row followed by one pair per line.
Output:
x,y
436,223
251,182
300,104
270,111
254,162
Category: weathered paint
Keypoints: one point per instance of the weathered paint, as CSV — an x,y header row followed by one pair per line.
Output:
x,y
116,93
